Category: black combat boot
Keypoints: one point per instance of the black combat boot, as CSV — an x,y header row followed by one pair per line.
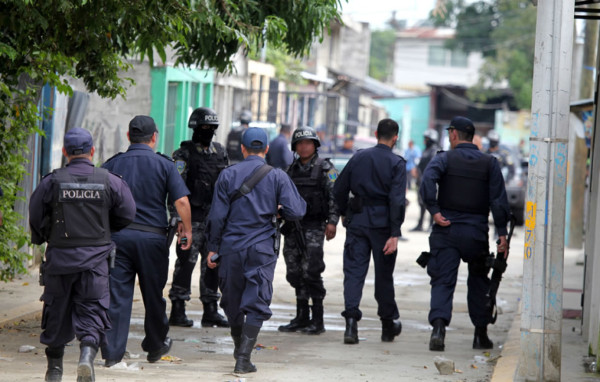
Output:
x,y
211,316
178,316
301,320
316,324
351,333
436,343
55,363
390,329
85,369
481,339
236,334
248,340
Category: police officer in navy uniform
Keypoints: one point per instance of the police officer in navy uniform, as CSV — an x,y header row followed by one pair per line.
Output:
x,y
314,178
430,138
234,138
279,155
199,161
243,234
460,187
376,177
142,247
75,209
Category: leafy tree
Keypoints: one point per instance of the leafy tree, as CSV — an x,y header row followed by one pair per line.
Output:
x,y
44,41
504,32
381,55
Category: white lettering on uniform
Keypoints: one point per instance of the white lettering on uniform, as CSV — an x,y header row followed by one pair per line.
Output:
x,y
212,118
81,194
303,133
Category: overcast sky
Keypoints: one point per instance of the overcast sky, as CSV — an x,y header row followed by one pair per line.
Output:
x,y
377,12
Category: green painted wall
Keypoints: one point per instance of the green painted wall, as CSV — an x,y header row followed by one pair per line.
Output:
x,y
187,101
418,109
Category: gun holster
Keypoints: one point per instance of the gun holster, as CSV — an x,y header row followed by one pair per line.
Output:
x,y
355,204
423,259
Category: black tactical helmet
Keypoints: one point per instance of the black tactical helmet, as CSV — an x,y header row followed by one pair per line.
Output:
x,y
203,116
245,117
303,133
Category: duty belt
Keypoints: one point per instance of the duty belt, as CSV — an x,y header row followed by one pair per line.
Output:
x,y
148,228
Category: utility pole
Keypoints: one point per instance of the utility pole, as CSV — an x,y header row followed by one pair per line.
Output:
x,y
541,317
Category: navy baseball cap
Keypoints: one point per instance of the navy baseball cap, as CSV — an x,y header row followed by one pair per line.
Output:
x,y
255,138
142,126
78,141
462,124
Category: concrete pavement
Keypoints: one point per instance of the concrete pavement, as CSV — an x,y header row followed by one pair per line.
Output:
x,y
205,353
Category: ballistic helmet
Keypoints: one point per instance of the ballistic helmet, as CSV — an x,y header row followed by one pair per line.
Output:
x,y
203,116
303,133
431,134
245,117
493,136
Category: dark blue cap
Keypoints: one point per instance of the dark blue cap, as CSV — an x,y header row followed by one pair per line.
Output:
x,y
255,138
462,124
142,126
78,141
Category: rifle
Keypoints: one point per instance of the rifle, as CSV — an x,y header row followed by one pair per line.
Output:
x,y
498,265
300,239
277,238
172,230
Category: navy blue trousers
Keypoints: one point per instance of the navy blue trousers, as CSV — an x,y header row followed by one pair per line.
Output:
x,y
75,305
360,243
146,255
448,246
246,281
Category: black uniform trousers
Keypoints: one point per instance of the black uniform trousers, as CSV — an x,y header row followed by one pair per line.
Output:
x,y
144,254
448,246
246,280
75,305
360,243
181,288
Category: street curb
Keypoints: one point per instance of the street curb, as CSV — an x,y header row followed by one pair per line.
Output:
x,y
506,367
33,310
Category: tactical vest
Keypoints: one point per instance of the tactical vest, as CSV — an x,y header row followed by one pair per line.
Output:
x,y
80,213
203,171
310,187
465,186
234,146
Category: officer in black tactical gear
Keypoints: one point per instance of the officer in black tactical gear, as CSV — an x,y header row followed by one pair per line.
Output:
x,y
199,161
84,204
234,138
502,154
460,187
314,178
431,148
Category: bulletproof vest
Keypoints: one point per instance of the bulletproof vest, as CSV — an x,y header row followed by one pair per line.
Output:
x,y
427,156
465,186
80,213
310,187
234,146
203,171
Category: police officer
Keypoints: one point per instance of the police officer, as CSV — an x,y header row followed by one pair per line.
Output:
x,y
430,138
314,178
142,247
240,228
377,179
75,209
199,162
234,138
502,155
279,155
459,187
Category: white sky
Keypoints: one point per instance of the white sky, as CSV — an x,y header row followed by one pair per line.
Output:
x,y
377,12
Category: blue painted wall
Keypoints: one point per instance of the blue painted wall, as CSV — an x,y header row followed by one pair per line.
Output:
x,y
416,109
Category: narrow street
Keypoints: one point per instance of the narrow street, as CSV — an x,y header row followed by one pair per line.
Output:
x,y
206,353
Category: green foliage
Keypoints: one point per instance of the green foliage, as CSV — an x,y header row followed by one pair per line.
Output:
x,y
504,32
44,41
19,118
381,55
